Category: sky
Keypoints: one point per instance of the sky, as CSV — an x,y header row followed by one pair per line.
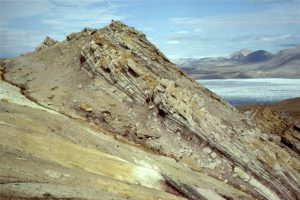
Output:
x,y
179,28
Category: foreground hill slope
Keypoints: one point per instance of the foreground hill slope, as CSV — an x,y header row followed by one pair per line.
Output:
x,y
183,140
246,64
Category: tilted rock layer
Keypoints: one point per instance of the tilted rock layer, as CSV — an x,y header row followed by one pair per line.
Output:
x,y
117,80
278,126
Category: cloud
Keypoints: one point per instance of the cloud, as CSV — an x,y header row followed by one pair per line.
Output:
x,y
290,45
273,25
242,20
274,1
198,30
82,13
286,13
50,17
276,38
15,42
72,3
191,37
272,38
16,9
181,32
173,42
148,29
60,12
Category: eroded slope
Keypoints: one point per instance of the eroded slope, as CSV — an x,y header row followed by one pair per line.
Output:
x,y
114,78
46,153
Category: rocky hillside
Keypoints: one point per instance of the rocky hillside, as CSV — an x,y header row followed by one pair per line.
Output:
x,y
245,64
271,120
290,107
105,115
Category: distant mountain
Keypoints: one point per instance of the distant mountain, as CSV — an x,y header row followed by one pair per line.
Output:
x,y
240,54
183,60
257,56
246,64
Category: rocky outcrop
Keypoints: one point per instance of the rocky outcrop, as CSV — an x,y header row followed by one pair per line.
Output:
x,y
278,127
181,103
48,42
117,80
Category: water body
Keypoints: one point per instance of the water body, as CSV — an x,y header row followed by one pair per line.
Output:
x,y
244,91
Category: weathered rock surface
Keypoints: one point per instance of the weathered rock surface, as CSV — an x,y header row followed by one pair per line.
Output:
x,y
279,127
198,146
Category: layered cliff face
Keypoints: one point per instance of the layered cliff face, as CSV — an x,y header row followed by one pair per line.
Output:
x,y
180,139
279,126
